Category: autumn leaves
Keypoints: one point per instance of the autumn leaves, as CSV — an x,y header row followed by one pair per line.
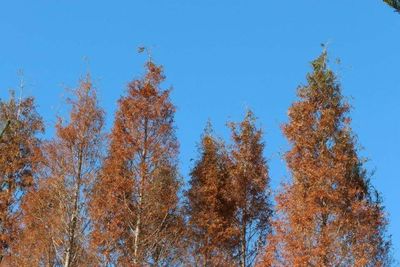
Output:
x,y
19,162
228,201
71,202
329,215
135,213
55,222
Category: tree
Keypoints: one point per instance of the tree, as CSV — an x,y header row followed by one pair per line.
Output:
x,y
55,211
210,204
393,3
250,188
135,202
329,215
19,158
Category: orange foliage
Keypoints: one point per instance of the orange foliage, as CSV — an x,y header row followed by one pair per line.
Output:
x,y
329,214
210,204
19,158
63,204
250,190
55,212
134,204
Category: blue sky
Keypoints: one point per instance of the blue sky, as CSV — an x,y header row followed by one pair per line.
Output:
x,y
221,57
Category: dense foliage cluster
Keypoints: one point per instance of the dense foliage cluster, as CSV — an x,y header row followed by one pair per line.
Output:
x,y
86,198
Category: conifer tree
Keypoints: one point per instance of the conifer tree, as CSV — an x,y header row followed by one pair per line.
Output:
x,y
55,212
210,205
329,214
394,3
135,202
19,158
250,189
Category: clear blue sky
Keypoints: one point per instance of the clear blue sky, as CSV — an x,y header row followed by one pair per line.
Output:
x,y
221,57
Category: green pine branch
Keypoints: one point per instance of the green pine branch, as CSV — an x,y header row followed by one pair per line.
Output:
x,y
394,3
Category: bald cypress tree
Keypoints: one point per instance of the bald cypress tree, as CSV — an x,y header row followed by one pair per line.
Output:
x,y
134,205
329,214
250,189
210,205
19,158
55,219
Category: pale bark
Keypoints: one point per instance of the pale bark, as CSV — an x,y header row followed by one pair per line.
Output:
x,y
140,198
70,252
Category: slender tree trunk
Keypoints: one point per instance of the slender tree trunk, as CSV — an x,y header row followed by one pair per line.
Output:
x,y
244,227
70,253
9,189
244,224
4,129
324,259
206,253
137,229
49,257
243,246
140,200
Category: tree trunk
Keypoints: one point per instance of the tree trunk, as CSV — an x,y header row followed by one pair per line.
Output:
x,y
140,200
243,264
137,229
243,245
325,261
70,253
